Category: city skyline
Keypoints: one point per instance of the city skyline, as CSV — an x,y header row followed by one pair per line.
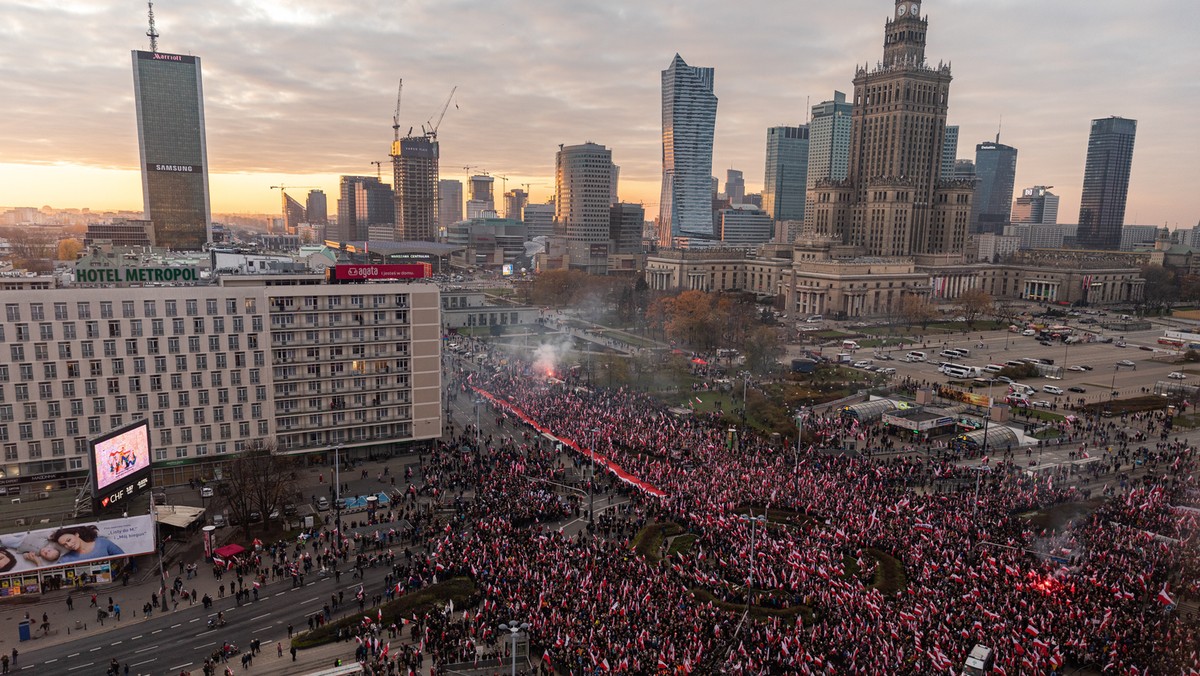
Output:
x,y
301,94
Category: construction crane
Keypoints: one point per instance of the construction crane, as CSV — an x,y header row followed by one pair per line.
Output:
x,y
431,132
284,188
378,169
503,184
396,121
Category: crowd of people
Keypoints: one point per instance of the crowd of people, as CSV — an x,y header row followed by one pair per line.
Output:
x,y
1098,591
847,563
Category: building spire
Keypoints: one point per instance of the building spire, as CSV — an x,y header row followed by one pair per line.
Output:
x,y
152,33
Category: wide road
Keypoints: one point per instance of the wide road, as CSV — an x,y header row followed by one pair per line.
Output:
x,y
169,642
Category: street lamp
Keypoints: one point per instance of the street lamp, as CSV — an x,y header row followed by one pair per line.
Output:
x,y
979,470
754,521
745,382
337,491
592,480
514,629
478,401
801,414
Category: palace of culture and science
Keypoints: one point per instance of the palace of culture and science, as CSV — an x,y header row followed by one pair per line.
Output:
x,y
894,226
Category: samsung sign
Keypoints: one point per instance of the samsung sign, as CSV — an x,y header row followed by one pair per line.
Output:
x,y
136,275
175,168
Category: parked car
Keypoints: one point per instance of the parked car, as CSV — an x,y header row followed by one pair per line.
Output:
x,y
1005,379
861,364
1077,389
1041,403
1176,375
206,491
323,504
1029,332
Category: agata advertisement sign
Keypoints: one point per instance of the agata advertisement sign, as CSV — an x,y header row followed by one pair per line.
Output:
x,y
371,272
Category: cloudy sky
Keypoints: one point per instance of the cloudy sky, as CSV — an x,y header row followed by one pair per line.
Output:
x,y
301,91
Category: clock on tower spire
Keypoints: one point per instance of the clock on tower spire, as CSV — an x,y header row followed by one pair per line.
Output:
x,y
904,39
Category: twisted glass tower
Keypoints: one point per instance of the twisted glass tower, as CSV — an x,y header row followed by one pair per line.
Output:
x,y
689,119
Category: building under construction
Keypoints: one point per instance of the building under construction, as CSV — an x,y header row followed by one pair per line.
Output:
x,y
415,176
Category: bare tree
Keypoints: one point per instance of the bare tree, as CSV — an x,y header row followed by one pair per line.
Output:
x,y
260,482
973,303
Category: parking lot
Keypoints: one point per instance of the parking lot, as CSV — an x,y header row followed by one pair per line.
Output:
x,y
998,347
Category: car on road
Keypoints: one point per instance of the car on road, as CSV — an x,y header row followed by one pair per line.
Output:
x,y
882,356
1045,342
1029,332
206,491
1121,343
1085,367
1076,389
323,504
1005,379
887,371
1041,403
1076,367
1126,362
861,364
1176,375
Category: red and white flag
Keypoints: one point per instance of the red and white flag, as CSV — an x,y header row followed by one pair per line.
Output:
x,y
1165,598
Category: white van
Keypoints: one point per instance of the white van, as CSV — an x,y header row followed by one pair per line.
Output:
x,y
993,368
962,351
1022,389
914,356
1052,389
849,345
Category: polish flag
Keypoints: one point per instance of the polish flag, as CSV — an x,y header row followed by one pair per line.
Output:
x,y
1032,631
925,527
1165,598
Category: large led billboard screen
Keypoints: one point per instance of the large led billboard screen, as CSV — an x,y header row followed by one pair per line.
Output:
x,y
121,463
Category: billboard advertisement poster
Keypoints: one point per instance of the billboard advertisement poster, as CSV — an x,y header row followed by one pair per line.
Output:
x,y
91,542
120,459
368,272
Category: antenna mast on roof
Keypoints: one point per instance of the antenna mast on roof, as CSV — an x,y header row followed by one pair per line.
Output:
x,y
998,128
152,33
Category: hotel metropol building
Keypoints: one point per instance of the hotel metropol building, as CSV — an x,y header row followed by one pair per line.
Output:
x,y
213,365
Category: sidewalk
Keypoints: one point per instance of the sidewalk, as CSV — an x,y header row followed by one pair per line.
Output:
x,y
66,625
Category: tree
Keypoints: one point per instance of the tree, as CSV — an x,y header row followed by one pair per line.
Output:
x,y
29,244
973,303
1161,290
762,348
68,249
260,480
916,309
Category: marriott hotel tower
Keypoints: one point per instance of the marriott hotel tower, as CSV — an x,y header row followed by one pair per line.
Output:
x,y
170,120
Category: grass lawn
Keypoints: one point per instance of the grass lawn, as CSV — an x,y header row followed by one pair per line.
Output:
x,y
757,612
889,575
459,589
682,544
1047,434
1039,414
882,342
829,335
649,540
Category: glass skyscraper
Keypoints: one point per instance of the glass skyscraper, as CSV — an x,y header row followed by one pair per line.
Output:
x,y
995,178
786,175
169,100
689,118
1106,183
